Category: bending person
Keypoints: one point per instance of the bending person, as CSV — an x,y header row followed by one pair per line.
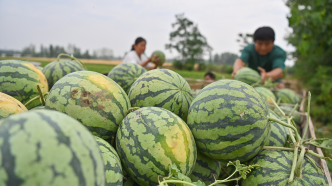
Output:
x,y
263,56
137,56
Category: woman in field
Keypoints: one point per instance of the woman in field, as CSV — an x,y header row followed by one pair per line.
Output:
x,y
137,56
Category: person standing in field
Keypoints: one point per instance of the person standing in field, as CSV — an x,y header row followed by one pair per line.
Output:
x,y
209,78
263,56
137,55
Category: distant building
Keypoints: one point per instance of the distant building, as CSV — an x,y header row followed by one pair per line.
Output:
x,y
3,55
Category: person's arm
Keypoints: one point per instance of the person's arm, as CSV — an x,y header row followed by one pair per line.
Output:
x,y
274,74
237,66
146,62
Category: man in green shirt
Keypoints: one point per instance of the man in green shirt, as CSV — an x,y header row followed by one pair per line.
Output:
x,y
263,56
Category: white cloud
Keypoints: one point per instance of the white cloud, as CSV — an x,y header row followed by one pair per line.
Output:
x,y
116,24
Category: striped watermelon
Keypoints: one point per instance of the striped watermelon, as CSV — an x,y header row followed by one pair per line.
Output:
x,y
19,79
228,119
59,68
287,95
278,136
266,94
248,75
205,170
44,147
162,88
125,74
113,169
151,138
160,55
275,168
127,181
93,99
10,105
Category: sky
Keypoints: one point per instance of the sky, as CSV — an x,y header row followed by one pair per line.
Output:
x,y
116,24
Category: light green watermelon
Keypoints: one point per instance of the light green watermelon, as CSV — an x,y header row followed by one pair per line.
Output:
x,y
287,95
19,79
228,119
275,168
150,139
93,99
158,55
44,147
113,169
10,106
162,88
125,74
59,68
205,170
248,75
266,94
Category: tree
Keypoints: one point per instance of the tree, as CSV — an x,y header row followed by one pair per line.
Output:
x,y
216,58
228,58
29,51
187,40
245,40
311,22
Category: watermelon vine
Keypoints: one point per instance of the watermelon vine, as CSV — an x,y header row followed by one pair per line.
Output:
x,y
72,58
42,96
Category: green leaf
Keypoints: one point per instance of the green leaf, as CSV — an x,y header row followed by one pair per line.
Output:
x,y
324,143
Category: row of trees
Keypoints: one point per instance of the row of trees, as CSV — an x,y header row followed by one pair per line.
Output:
x,y
54,51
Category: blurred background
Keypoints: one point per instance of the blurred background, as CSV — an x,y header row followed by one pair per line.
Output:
x,y
101,32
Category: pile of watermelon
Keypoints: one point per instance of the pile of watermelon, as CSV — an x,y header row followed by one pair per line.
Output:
x,y
138,127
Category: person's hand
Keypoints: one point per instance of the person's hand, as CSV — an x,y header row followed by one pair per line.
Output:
x,y
263,74
233,74
156,59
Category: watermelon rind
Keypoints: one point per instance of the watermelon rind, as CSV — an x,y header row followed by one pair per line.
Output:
x,y
44,147
228,119
19,79
113,169
162,88
126,74
150,139
275,168
10,105
93,99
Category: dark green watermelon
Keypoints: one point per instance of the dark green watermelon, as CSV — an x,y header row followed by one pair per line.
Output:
x,y
48,148
126,74
278,136
275,168
150,139
162,88
248,75
59,68
228,119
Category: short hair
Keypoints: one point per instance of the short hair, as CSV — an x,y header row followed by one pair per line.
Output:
x,y
212,76
264,33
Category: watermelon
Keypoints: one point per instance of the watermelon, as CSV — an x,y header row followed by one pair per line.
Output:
x,y
275,168
93,99
158,54
127,181
40,68
113,169
150,139
38,108
248,75
10,105
278,136
125,74
162,88
287,95
228,119
205,170
266,94
44,147
19,79
59,68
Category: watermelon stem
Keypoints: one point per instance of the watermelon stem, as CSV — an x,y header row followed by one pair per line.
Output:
x,y
308,116
31,100
285,124
72,58
41,95
163,183
278,148
298,170
291,177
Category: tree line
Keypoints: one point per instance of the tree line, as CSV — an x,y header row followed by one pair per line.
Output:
x,y
54,50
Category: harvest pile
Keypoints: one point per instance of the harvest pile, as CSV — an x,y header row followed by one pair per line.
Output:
x,y
134,127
